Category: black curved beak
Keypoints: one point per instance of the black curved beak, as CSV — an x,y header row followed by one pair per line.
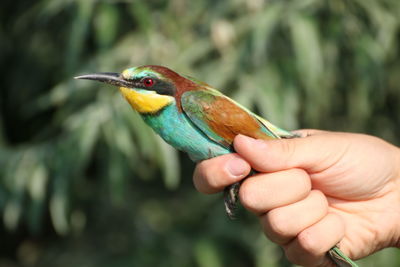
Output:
x,y
107,77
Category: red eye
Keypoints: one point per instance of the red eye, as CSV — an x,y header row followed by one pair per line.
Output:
x,y
148,82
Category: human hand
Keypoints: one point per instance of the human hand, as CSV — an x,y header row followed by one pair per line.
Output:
x,y
314,192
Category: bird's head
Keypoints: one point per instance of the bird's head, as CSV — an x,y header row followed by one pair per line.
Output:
x,y
148,89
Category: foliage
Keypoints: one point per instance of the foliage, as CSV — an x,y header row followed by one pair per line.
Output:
x,y
80,173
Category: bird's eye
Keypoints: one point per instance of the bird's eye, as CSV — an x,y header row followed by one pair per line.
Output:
x,y
148,82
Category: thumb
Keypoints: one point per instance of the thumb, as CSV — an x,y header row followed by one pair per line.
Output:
x,y
312,153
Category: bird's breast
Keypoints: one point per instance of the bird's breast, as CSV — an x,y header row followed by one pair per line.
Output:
x,y
177,130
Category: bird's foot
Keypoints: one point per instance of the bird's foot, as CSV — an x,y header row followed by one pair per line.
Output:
x,y
231,199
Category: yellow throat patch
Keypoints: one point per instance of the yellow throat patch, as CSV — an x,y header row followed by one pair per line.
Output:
x,y
149,102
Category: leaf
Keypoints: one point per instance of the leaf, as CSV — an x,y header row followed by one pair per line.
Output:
x,y
59,205
307,48
169,162
264,26
106,22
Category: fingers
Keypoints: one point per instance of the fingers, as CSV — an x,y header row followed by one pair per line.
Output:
x,y
282,224
263,192
313,153
293,215
311,245
213,175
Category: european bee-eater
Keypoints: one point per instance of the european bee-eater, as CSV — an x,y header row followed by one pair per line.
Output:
x,y
193,117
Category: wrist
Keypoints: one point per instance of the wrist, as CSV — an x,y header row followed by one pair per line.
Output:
x,y
397,185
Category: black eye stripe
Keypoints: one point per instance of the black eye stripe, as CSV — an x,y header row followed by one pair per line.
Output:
x,y
159,86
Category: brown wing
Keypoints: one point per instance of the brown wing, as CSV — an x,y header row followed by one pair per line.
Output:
x,y
220,118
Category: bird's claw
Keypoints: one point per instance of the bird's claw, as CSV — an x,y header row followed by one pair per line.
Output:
x,y
231,199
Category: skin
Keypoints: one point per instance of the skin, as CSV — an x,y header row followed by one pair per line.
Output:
x,y
341,188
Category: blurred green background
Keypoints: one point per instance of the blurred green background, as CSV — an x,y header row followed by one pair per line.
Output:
x,y
83,181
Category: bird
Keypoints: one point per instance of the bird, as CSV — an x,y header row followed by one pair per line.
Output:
x,y
189,114
193,117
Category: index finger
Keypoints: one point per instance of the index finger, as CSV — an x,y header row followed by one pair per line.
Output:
x,y
213,175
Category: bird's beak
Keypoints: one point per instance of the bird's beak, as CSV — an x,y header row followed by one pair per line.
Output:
x,y
107,77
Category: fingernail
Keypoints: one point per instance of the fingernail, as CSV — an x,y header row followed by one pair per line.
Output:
x,y
237,167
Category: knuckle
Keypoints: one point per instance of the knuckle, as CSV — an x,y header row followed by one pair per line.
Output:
x,y
303,178
278,224
309,244
321,199
307,260
301,173
203,180
212,182
292,256
198,178
200,170
248,195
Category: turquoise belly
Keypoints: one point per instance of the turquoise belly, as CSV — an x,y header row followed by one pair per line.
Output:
x,y
177,130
